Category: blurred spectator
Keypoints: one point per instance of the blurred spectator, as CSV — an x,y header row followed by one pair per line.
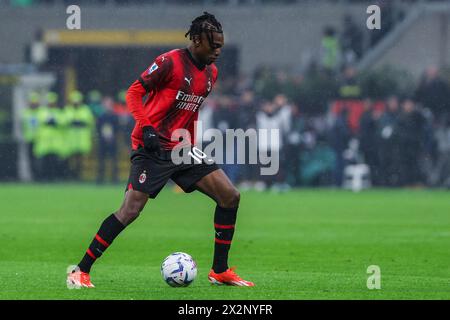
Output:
x,y
50,144
318,159
349,87
284,109
107,131
126,120
293,148
247,110
433,93
225,117
284,113
247,106
339,137
411,134
330,49
30,129
273,116
429,143
388,135
79,133
440,173
94,103
368,141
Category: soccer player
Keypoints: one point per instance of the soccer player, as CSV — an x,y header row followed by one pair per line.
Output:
x,y
176,83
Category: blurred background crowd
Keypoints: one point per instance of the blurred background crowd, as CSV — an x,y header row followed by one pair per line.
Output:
x,y
345,98
403,135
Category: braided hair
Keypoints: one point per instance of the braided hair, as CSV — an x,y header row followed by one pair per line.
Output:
x,y
206,23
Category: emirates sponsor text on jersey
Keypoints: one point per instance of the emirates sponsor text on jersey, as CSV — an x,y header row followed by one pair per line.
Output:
x,y
190,102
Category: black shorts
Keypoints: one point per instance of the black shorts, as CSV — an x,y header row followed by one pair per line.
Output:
x,y
150,171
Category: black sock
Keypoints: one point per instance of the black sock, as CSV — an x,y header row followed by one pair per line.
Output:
x,y
109,230
224,221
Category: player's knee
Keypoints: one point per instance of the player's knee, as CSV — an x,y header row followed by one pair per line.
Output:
x,y
132,215
129,213
231,199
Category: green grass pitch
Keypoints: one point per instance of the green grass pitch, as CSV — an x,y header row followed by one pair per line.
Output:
x,y
306,244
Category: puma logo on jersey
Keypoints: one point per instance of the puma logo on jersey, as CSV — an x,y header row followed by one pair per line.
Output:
x,y
188,80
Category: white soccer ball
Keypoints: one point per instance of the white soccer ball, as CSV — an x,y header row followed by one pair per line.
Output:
x,y
179,269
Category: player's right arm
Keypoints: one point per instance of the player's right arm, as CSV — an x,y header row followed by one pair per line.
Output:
x,y
153,78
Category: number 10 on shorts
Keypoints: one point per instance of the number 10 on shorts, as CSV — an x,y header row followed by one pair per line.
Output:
x,y
197,154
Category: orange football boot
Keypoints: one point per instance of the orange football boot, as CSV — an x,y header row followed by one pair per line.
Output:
x,y
229,278
78,279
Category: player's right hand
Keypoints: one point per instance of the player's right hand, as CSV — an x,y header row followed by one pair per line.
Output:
x,y
151,140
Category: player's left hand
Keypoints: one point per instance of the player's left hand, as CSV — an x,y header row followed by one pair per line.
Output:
x,y
151,140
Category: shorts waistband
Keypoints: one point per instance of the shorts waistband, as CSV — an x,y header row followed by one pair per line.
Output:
x,y
164,154
161,154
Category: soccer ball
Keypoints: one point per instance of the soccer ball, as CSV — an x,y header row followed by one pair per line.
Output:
x,y
179,269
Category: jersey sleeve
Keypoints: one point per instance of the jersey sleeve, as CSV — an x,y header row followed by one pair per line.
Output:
x,y
154,77
157,74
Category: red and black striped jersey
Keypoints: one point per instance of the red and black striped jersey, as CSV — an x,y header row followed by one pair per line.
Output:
x,y
176,86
